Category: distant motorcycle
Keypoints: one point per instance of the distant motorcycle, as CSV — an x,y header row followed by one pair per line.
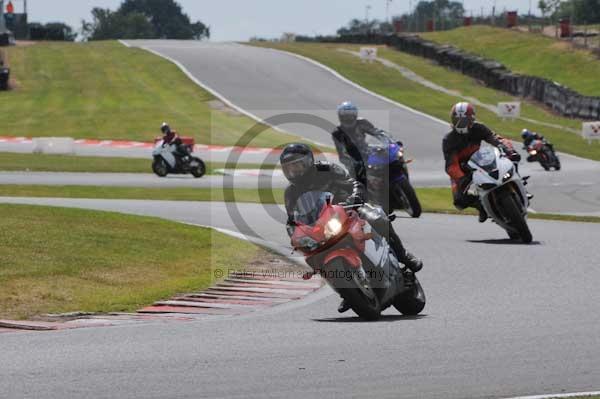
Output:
x,y
540,151
166,161
501,191
354,260
387,174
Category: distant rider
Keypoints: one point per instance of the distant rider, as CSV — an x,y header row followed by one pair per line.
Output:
x,y
170,136
304,175
529,137
350,139
460,144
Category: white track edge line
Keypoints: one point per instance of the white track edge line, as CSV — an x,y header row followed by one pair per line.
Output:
x,y
218,95
558,395
361,88
258,241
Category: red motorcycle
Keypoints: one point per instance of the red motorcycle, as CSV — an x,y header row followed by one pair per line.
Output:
x,y
543,153
353,258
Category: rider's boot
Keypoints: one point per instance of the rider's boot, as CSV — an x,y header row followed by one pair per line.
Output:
x,y
409,260
483,216
344,306
409,277
413,263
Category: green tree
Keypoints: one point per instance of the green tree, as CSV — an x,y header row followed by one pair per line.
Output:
x,y
57,31
144,19
167,17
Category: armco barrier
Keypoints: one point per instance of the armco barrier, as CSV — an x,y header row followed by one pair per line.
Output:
x,y
561,99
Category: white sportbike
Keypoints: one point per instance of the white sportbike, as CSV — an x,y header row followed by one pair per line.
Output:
x,y
166,161
501,190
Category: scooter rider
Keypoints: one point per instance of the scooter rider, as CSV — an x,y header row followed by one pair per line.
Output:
x,y
299,167
350,139
458,146
171,137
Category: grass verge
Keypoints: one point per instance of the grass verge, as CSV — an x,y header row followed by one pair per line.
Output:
x,y
391,84
528,53
108,91
433,199
55,260
69,163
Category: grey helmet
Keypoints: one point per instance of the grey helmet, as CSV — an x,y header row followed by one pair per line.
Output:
x,y
347,114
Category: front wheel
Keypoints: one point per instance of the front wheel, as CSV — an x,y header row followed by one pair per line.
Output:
x,y
515,218
405,193
411,302
160,168
354,286
199,169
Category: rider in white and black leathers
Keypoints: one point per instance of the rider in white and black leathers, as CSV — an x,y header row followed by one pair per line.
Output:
x,y
304,175
350,139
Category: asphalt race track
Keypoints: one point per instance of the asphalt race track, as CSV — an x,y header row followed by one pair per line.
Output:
x,y
496,325
264,82
502,319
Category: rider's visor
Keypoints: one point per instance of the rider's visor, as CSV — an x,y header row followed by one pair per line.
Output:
x,y
463,122
295,168
348,118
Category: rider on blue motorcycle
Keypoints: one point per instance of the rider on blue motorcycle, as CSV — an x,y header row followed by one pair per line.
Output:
x,y
350,139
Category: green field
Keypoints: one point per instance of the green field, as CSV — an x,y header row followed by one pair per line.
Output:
x,y
68,163
528,53
55,260
433,199
390,83
108,91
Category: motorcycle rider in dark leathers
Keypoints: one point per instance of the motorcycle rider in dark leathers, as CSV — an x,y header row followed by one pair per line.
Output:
x,y
350,139
304,175
458,147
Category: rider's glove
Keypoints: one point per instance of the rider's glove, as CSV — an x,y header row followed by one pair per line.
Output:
x,y
514,156
355,199
290,226
464,166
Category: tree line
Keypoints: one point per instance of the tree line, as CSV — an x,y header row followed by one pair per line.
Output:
x,y
134,19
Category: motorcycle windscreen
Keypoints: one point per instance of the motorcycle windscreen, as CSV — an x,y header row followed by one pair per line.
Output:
x,y
309,206
485,158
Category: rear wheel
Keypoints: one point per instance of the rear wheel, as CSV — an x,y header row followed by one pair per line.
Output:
x,y
513,213
200,169
405,193
411,302
354,286
159,167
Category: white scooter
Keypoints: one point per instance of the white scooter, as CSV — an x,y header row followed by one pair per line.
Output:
x,y
165,162
501,191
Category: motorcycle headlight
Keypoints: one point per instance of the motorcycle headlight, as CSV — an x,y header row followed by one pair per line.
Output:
x,y
507,175
333,228
533,152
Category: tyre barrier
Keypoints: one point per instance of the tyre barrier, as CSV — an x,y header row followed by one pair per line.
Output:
x,y
559,98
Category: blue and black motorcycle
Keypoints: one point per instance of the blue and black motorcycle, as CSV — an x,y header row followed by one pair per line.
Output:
x,y
387,179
